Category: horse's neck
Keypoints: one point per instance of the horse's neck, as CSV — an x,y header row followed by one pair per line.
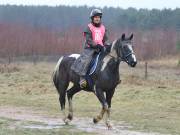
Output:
x,y
109,56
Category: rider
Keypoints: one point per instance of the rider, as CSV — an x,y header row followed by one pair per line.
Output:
x,y
95,41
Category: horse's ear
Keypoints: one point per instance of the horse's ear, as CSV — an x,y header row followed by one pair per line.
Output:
x,y
131,37
123,36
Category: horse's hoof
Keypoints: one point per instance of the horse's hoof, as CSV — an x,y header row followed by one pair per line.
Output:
x,y
109,126
95,121
66,121
70,117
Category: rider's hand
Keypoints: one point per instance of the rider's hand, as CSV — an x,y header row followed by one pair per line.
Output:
x,y
100,47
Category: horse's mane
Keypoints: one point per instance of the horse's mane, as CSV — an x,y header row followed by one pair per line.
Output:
x,y
106,52
108,49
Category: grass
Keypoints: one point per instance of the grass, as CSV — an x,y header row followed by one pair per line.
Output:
x,y
151,105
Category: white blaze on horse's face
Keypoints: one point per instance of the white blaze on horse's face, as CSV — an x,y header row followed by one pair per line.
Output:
x,y
130,58
133,56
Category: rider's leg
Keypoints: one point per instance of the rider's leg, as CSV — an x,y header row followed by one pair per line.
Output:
x,y
86,57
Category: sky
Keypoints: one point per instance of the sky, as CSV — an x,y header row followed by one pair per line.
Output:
x,y
150,4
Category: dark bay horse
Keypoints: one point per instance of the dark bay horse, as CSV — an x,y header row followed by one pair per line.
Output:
x,y
105,78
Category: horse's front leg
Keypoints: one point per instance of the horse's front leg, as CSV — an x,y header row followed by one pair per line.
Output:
x,y
107,118
100,116
100,95
109,96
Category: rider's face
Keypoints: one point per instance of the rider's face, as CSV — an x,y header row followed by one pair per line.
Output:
x,y
97,19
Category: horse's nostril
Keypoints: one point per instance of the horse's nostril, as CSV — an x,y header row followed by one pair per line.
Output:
x,y
133,64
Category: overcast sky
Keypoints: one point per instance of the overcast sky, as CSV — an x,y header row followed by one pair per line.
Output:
x,y
160,4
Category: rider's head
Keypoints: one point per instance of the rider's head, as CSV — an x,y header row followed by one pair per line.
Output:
x,y
96,15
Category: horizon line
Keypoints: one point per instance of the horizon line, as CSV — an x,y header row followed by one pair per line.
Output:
x,y
45,5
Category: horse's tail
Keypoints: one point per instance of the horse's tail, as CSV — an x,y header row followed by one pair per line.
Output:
x,y
56,75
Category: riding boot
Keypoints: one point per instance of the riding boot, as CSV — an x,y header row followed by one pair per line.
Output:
x,y
83,82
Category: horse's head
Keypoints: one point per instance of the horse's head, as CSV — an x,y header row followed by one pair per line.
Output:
x,y
125,50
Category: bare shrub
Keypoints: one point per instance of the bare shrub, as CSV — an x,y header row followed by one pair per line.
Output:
x,y
9,68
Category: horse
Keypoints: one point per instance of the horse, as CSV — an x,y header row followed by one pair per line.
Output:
x,y
105,79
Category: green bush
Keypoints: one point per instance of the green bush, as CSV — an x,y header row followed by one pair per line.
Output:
x,y
178,64
178,46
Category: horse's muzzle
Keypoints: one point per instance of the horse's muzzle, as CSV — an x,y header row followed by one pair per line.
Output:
x,y
133,64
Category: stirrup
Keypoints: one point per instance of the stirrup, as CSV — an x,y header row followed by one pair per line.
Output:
x,y
83,83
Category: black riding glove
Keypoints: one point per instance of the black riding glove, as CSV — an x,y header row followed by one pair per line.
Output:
x,y
100,48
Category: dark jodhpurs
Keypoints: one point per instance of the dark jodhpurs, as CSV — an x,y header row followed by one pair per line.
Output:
x,y
80,66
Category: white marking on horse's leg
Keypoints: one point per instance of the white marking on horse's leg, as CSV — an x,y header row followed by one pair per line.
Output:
x,y
101,113
66,121
107,118
70,106
100,116
70,115
64,114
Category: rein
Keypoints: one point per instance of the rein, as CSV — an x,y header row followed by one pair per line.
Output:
x,y
120,57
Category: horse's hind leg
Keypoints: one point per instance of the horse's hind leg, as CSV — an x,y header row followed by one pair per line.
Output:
x,y
62,86
70,94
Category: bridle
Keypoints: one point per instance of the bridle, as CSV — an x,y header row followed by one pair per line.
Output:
x,y
120,57
125,58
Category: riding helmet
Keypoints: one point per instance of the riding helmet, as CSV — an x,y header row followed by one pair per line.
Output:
x,y
95,12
